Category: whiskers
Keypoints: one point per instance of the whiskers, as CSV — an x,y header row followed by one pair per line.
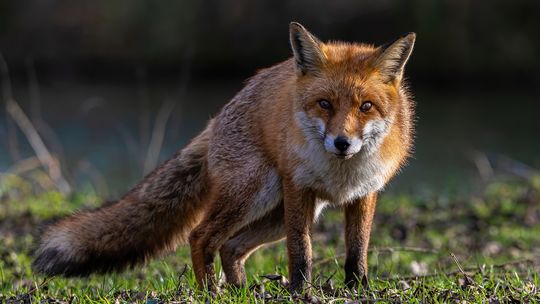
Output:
x,y
312,128
372,140
313,133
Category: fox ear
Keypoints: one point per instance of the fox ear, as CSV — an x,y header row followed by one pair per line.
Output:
x,y
393,57
307,51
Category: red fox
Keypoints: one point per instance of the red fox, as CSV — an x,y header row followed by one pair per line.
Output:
x,y
328,127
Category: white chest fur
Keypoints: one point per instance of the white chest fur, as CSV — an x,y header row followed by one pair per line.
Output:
x,y
342,180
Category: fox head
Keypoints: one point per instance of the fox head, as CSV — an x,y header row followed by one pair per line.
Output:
x,y
348,95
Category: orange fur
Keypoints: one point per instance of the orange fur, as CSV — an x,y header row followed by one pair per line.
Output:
x,y
263,169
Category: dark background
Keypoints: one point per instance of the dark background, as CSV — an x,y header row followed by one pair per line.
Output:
x,y
94,75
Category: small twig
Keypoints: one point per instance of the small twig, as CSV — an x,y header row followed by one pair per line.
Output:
x,y
144,116
468,270
7,94
183,272
419,277
130,143
515,262
330,277
468,279
380,250
46,132
514,167
482,165
360,300
43,154
24,165
26,126
487,164
404,249
158,133
33,88
457,262
328,260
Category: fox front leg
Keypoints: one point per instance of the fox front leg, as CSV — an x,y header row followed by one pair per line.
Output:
x,y
358,221
299,212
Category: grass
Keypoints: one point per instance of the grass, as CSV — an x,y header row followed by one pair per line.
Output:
x,y
483,247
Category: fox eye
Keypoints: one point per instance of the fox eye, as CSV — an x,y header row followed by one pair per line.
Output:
x,y
366,106
325,104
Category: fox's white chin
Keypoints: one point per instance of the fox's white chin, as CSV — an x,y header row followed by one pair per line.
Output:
x,y
344,156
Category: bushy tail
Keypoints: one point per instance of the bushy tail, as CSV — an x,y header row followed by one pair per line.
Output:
x,y
154,217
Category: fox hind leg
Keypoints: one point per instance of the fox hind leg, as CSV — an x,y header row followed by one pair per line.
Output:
x,y
219,224
236,250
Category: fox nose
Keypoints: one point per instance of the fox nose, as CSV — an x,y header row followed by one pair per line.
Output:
x,y
342,143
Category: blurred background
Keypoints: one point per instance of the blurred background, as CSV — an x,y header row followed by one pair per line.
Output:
x,y
114,87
